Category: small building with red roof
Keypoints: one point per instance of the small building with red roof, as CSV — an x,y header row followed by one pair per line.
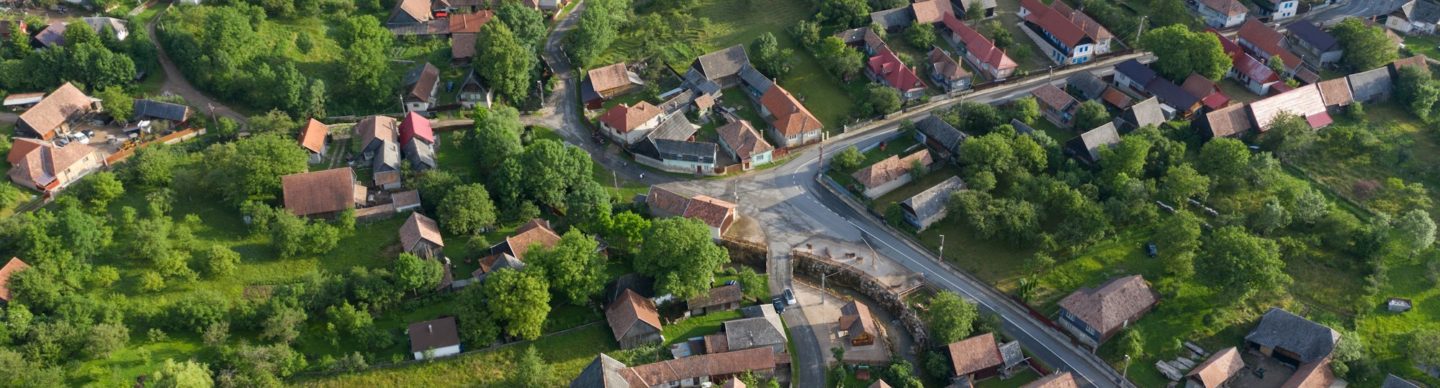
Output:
x,y
979,51
1245,69
793,125
1206,91
415,126
312,138
887,69
11,268
628,124
1067,36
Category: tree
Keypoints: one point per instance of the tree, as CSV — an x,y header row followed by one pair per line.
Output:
x,y
1090,115
1177,240
880,100
1418,92
101,188
1181,183
151,281
531,371
527,23
151,167
433,185
1133,344
251,168
574,267
587,205
350,320
1239,265
678,253
106,338
950,317
504,62
283,323
1366,47
848,159
921,35
467,210
366,67
845,13
187,374
313,105
839,59
1225,157
1025,109
496,136
550,168
413,273
598,28
974,117
117,103
1180,52
1415,230
218,260
519,300
626,232
1424,347
769,58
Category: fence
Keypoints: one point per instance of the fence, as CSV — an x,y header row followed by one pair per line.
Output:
x,y
843,275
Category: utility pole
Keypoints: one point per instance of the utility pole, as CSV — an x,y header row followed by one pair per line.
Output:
x,y
1125,370
942,247
1140,28
615,178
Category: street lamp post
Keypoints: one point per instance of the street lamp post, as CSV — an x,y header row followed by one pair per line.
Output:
x,y
942,247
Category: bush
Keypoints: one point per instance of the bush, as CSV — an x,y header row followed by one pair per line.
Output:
x,y
848,160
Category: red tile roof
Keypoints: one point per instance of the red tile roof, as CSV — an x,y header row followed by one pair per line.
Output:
x,y
712,211
1205,90
1052,96
319,192
931,11
1269,40
946,66
625,118
469,22
890,169
629,309
609,77
974,354
979,46
537,232
10,269
1218,368
419,228
55,109
1304,101
1111,305
742,138
666,203
1066,24
462,46
791,117
1231,120
705,365
416,126
1057,380
888,67
1244,63
1116,98
313,136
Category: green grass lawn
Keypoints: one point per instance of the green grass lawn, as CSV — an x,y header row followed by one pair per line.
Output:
x,y
697,326
1029,56
1423,44
1025,376
568,353
898,145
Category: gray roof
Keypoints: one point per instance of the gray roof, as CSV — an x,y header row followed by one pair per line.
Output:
x,y
1021,127
942,132
1281,329
1093,140
1367,85
98,24
932,201
673,127
1011,353
1311,34
723,63
420,154
1136,71
604,372
160,110
893,18
387,158
748,333
1088,84
1425,11
755,79
698,152
1144,113
1393,381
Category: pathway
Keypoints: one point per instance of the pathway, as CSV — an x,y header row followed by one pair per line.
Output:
x,y
176,83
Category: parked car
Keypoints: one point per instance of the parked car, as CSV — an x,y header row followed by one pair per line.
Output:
x,y
731,282
779,305
1151,250
789,297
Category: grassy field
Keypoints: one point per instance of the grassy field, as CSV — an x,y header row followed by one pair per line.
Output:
x,y
898,145
568,353
1030,57
1423,44
697,326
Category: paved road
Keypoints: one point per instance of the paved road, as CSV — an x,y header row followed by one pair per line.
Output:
x,y
176,83
1357,8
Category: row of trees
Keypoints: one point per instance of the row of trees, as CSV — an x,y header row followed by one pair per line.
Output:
x,y
598,28
94,60
508,50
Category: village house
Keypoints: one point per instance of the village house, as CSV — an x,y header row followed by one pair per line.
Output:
x,y
1315,46
464,30
1057,106
1144,113
1229,121
1277,10
510,253
1132,76
1067,36
627,124
21,101
694,371
763,332
863,39
410,12
986,8
1085,86
716,213
890,173
927,207
1415,16
975,358
1054,380
420,236
313,139
885,68
634,320
1180,102
723,298
473,92
721,67
57,113
1245,69
947,72
322,193
1291,339
1116,98
1205,91
792,125
417,141
670,146
380,147
607,82
942,138
1093,315
1267,44
1372,85
1216,371
12,267
434,338
1336,92
462,48
979,51
420,85
42,166
1222,14
7,24
1087,146
742,142
1304,101
856,324
1418,61
171,113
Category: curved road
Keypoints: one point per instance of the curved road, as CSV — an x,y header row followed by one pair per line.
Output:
x,y
176,83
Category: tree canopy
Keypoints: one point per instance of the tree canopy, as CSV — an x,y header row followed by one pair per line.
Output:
x,y
678,253
1240,265
1366,47
574,267
505,62
950,317
1180,52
